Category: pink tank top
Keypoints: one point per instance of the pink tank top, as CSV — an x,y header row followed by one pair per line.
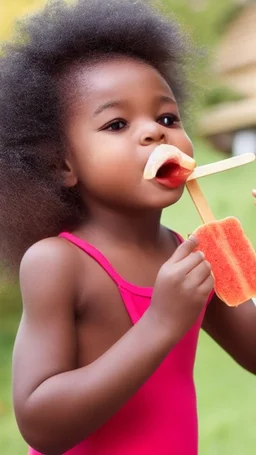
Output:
x,y
161,418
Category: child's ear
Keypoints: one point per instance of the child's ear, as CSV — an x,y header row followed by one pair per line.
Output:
x,y
68,172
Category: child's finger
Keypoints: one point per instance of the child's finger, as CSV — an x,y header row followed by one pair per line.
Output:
x,y
184,250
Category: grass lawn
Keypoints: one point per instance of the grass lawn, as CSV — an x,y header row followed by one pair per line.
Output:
x,y
226,393
10,440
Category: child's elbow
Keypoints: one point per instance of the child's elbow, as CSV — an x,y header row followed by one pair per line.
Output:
x,y
249,363
252,367
41,435
41,441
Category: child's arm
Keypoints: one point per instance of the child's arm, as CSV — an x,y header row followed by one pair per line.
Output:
x,y
234,329
57,405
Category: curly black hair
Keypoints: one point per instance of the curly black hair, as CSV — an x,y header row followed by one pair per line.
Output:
x,y
34,203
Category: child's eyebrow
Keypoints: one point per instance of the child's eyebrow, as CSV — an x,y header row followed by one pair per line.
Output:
x,y
113,104
108,105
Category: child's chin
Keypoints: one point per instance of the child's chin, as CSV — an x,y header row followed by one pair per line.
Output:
x,y
167,201
171,197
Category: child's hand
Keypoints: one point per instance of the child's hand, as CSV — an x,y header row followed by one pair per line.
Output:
x,y
181,289
254,194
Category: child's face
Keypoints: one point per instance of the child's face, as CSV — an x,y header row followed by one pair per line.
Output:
x,y
122,110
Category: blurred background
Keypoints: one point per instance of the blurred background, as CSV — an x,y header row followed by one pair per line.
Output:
x,y
221,121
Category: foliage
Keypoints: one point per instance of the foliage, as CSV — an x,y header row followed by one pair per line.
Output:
x,y
10,311
202,22
13,9
217,94
231,14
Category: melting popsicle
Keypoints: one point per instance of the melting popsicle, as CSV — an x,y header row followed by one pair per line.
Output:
x,y
232,258
228,250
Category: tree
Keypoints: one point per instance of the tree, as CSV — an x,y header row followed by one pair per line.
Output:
x,y
12,9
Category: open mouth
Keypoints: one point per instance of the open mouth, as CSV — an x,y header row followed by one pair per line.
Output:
x,y
172,175
167,170
169,166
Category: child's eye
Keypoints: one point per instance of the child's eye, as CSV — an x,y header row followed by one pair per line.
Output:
x,y
117,125
168,120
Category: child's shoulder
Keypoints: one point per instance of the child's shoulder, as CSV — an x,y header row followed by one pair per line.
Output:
x,y
46,251
51,261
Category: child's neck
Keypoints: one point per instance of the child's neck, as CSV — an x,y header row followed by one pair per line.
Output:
x,y
142,229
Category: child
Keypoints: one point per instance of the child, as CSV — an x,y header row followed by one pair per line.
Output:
x,y
103,365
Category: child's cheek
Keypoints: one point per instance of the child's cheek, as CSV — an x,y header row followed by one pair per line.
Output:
x,y
110,152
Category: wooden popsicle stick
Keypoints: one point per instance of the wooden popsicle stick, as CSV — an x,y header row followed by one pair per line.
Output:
x,y
219,166
200,202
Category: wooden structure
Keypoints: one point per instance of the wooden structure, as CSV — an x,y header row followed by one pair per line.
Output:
x,y
235,67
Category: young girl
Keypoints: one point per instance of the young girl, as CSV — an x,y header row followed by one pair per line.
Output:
x,y
112,301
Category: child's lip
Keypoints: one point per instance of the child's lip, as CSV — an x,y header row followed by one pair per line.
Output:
x,y
168,183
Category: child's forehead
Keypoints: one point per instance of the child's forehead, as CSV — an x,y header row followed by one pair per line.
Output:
x,y
114,77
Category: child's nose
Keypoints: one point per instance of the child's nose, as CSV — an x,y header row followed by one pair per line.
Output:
x,y
152,132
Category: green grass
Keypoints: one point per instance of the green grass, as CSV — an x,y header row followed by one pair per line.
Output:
x,y
226,397
11,442
226,393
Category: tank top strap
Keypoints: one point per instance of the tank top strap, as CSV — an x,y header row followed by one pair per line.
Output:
x,y
105,264
95,254
178,237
